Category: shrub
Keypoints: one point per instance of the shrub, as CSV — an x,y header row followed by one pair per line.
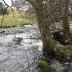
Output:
x,y
3,9
45,67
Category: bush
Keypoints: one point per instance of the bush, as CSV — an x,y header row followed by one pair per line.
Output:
x,y
3,11
63,54
45,67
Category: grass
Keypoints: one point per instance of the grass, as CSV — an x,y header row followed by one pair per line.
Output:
x,y
16,18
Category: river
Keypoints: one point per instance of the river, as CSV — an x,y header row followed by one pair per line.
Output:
x,y
22,57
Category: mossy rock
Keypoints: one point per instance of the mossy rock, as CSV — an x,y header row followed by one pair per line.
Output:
x,y
45,67
43,64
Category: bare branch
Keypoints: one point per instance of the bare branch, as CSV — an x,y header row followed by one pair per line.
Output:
x,y
6,3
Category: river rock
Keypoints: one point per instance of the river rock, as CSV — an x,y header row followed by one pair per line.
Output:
x,y
67,66
17,40
60,45
57,65
2,31
70,68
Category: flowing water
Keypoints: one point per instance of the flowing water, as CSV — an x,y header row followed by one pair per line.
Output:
x,y
22,57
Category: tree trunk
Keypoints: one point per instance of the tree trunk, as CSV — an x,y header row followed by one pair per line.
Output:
x,y
43,23
65,26
66,29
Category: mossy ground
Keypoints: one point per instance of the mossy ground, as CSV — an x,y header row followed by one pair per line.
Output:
x,y
15,18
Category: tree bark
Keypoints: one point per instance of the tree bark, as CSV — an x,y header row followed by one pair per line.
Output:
x,y
66,29
44,25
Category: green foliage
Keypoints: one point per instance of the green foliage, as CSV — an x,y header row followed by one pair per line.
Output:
x,y
64,53
3,10
45,67
61,53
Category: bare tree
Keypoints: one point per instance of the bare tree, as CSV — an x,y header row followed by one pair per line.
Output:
x,y
45,11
